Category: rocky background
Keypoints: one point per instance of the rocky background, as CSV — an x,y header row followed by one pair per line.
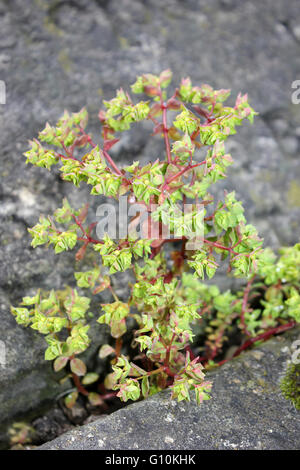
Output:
x,y
61,54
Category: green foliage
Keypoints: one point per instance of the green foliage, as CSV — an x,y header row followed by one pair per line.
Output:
x,y
114,316
274,288
169,302
50,313
121,112
119,257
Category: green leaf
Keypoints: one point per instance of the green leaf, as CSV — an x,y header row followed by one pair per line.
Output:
x,y
71,399
54,349
145,387
39,232
165,78
87,278
40,156
60,363
202,392
78,367
130,390
64,214
106,350
95,399
30,300
46,325
23,315
186,122
79,340
64,241
114,316
76,305
90,378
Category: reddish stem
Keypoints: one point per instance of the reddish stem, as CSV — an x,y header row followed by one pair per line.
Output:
x,y
85,239
77,221
264,336
112,163
181,172
105,153
118,347
221,247
79,386
108,396
168,352
168,371
189,349
90,240
68,157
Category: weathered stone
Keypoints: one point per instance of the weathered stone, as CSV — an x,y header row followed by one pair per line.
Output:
x,y
246,411
65,55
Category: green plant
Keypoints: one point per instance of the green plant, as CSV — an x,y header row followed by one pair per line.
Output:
x,y
166,300
20,434
267,305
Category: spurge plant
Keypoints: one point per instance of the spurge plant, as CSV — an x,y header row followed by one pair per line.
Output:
x,y
169,300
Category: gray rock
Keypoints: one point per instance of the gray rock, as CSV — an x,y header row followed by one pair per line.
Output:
x,y
65,55
247,411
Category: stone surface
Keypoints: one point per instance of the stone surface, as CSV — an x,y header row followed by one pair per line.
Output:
x,y
247,411
57,55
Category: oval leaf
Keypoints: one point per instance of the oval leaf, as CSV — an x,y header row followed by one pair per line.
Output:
x,y
95,399
70,399
110,381
105,351
60,363
90,378
78,367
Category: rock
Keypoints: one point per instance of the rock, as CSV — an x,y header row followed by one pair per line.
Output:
x,y
65,55
246,411
53,423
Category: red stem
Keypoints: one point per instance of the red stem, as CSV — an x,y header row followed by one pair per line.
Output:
x,y
79,386
181,172
68,157
90,240
112,163
221,247
87,238
264,336
105,153
77,221
118,347
167,359
108,396
189,349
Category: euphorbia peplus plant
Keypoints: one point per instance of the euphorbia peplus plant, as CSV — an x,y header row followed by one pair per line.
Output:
x,y
165,299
